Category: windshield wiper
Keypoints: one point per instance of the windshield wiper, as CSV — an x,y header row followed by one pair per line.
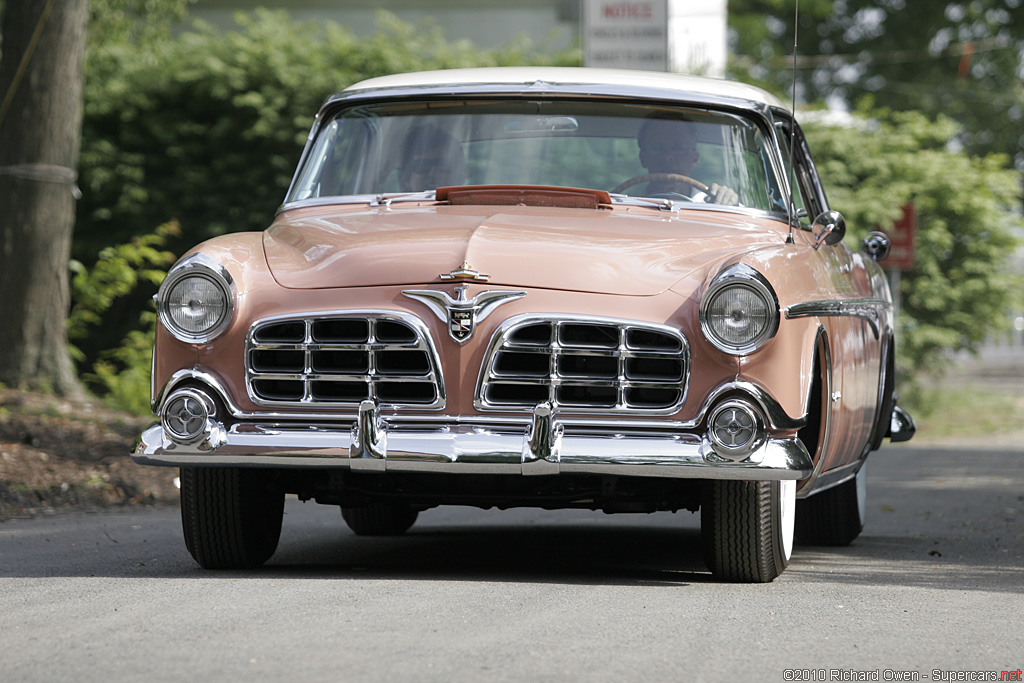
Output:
x,y
659,203
383,199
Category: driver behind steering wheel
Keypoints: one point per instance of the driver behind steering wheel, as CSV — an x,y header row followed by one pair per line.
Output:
x,y
671,147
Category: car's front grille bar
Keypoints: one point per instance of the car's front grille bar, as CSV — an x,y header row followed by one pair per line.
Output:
x,y
585,365
343,359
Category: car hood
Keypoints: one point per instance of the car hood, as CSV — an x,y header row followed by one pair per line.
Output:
x,y
634,252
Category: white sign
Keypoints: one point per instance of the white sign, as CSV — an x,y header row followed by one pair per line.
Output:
x,y
626,34
687,36
698,36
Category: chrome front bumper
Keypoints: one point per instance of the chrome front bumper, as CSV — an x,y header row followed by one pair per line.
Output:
x,y
543,447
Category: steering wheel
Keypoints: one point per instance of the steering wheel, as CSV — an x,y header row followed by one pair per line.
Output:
x,y
659,176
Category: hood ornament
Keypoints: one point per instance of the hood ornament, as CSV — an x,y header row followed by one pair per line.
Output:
x,y
465,272
462,313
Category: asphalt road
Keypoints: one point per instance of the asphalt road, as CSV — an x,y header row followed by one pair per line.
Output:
x,y
935,584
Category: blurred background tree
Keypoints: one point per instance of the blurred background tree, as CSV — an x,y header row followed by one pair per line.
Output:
x,y
41,80
200,129
204,128
959,59
959,291
938,89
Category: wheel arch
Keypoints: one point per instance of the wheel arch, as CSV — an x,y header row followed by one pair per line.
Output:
x,y
816,432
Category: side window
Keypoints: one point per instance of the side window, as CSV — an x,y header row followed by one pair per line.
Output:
x,y
808,197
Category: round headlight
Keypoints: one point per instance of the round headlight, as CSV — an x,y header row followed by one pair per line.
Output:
x,y
739,312
196,304
195,301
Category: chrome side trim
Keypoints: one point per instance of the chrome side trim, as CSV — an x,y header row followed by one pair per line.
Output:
x,y
871,310
832,478
879,426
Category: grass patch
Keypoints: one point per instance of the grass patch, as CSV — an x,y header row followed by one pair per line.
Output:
x,y
947,411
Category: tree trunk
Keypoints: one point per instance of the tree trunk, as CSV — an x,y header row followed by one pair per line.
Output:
x,y
41,83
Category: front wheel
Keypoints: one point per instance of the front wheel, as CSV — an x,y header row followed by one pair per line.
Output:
x,y
231,517
835,516
747,529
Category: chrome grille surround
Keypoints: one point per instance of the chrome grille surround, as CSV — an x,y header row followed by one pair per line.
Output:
x,y
338,359
582,364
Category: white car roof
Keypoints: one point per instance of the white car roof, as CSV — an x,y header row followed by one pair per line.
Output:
x,y
574,76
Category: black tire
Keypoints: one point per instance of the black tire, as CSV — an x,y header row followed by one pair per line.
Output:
x,y
380,519
834,517
747,529
231,517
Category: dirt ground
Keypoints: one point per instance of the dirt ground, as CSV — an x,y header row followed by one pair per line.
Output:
x,y
56,455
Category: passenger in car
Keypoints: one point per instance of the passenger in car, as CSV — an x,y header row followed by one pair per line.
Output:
x,y
670,147
431,158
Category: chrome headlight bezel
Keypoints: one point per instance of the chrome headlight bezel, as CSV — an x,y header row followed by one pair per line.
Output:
x,y
745,277
197,266
731,419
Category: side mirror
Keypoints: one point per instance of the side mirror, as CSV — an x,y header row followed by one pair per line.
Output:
x,y
829,228
876,245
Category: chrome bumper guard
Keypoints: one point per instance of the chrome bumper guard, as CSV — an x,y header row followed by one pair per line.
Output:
x,y
544,448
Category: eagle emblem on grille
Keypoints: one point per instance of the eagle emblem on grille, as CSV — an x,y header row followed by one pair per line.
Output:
x,y
460,312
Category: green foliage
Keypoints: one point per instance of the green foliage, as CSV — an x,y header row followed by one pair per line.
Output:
x,y
134,20
122,374
960,407
207,127
959,59
959,290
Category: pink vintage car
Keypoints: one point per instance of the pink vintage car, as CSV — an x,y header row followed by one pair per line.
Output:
x,y
557,288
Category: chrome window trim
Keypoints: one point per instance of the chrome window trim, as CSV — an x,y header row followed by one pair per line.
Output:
x,y
621,352
424,342
205,266
870,310
738,104
743,275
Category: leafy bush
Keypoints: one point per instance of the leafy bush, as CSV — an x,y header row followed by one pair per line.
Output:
x,y
959,291
205,128
122,373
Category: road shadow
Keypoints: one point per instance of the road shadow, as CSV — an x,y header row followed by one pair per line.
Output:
x,y
553,553
943,519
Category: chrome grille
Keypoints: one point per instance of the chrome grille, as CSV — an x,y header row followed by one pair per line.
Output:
x,y
585,365
342,360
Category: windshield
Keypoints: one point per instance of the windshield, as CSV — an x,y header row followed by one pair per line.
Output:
x,y
690,155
